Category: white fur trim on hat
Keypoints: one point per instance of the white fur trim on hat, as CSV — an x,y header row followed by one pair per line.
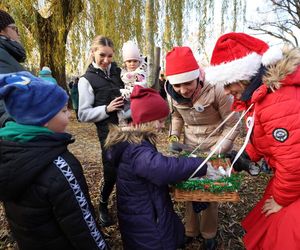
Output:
x,y
241,69
184,77
272,55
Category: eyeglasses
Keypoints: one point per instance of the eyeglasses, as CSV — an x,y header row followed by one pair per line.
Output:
x,y
13,27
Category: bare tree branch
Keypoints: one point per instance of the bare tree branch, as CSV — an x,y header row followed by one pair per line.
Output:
x,y
288,18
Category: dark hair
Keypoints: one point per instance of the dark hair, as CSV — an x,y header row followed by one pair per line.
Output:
x,y
5,20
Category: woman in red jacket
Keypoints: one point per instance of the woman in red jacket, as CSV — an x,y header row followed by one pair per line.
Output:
x,y
269,80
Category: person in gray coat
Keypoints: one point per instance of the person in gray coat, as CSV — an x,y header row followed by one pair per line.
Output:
x,y
12,53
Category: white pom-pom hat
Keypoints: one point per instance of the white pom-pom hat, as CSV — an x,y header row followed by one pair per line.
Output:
x,y
237,57
131,51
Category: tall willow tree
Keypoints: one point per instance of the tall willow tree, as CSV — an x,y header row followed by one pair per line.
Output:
x,y
173,23
213,18
120,20
50,32
60,35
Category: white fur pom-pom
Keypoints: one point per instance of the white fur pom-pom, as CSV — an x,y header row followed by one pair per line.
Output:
x,y
272,56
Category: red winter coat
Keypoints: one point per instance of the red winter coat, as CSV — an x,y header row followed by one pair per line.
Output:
x,y
276,137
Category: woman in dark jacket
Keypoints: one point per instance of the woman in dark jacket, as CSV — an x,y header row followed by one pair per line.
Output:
x,y
42,185
146,216
99,101
12,53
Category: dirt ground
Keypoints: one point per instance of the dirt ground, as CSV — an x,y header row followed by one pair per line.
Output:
x,y
87,150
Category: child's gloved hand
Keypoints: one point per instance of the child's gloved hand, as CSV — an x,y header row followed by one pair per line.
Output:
x,y
199,206
172,147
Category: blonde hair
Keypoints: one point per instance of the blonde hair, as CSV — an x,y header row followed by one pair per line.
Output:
x,y
96,43
132,134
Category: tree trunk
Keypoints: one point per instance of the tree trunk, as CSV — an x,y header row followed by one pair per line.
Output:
x,y
150,41
156,68
52,48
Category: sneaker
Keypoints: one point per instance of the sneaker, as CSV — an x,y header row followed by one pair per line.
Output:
x,y
210,244
105,219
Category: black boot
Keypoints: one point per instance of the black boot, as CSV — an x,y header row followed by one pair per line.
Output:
x,y
104,217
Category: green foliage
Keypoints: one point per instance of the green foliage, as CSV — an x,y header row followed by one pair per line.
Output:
x,y
58,33
228,184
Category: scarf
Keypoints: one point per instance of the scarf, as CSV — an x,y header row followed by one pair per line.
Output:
x,y
22,133
14,48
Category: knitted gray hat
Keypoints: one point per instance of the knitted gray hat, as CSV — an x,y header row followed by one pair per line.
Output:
x,y
5,20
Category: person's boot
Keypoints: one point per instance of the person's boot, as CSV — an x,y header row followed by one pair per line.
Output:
x,y
210,244
104,217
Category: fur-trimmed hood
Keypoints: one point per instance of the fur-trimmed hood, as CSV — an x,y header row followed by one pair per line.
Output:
x,y
131,134
119,138
281,72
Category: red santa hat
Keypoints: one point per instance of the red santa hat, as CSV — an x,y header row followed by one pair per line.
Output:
x,y
147,105
238,56
181,66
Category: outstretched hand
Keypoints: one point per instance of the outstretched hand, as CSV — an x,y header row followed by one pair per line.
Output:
x,y
271,206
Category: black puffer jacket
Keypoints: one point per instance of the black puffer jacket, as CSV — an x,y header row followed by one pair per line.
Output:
x,y
106,88
45,195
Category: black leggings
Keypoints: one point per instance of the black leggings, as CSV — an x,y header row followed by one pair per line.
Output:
x,y
109,171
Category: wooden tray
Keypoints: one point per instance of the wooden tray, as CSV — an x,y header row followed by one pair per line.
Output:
x,y
197,195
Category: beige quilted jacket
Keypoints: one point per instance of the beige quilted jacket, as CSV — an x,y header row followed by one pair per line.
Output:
x,y
200,118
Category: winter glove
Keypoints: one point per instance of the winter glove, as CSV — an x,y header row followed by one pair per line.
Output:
x,y
243,163
172,147
177,147
199,206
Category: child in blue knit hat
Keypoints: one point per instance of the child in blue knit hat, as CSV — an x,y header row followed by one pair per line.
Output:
x,y
42,185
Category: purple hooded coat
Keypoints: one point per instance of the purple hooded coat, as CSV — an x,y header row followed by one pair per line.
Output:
x,y
146,216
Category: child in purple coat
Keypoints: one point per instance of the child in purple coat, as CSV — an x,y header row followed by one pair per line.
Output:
x,y
146,216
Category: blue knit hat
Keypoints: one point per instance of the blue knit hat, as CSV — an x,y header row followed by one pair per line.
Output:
x,y
31,100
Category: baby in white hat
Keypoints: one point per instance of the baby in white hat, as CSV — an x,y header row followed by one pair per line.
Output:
x,y
134,72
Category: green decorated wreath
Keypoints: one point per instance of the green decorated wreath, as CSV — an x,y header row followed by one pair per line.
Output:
x,y
224,184
227,184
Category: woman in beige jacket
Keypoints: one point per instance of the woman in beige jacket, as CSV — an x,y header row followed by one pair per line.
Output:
x,y
198,109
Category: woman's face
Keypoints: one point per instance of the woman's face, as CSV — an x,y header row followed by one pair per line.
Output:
x,y
103,56
236,89
186,89
11,32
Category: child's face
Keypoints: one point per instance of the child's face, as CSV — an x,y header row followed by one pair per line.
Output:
x,y
59,122
132,65
236,89
160,124
103,56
